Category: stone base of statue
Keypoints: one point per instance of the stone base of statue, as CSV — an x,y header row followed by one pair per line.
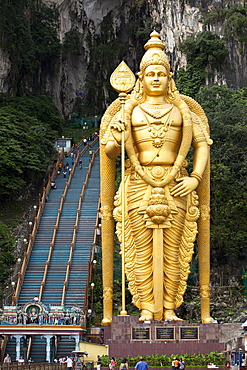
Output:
x,y
127,336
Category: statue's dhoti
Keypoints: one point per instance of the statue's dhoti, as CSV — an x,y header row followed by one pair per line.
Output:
x,y
177,251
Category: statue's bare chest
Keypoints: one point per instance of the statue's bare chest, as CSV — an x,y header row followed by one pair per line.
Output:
x,y
156,124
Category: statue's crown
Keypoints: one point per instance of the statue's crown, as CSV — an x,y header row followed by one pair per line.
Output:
x,y
154,53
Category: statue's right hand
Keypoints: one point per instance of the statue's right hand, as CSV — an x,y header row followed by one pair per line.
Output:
x,y
117,127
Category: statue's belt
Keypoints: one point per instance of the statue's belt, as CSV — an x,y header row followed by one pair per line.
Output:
x,y
155,172
136,181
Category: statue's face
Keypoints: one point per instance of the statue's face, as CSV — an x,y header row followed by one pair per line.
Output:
x,y
155,80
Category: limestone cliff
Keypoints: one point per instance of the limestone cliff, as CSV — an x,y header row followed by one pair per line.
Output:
x,y
125,24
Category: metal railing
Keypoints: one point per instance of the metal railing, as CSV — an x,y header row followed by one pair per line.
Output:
x,y
42,284
33,366
32,236
76,227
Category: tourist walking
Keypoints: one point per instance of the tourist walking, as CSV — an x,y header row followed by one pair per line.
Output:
x,y
113,363
98,362
141,365
181,364
69,363
175,364
53,185
7,359
124,364
21,360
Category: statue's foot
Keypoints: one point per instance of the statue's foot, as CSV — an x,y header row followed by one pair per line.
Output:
x,y
208,320
170,315
146,315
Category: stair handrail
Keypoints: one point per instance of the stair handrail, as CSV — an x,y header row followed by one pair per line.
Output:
x,y
32,236
29,346
90,262
88,145
3,347
80,142
55,344
93,142
71,149
42,284
72,245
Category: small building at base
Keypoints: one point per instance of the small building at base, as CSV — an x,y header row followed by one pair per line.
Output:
x,y
63,142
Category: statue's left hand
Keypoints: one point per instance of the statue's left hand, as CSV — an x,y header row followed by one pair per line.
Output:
x,y
184,187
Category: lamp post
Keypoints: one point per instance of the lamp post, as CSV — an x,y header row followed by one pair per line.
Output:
x,y
13,293
35,209
94,269
92,286
13,287
89,315
25,244
30,225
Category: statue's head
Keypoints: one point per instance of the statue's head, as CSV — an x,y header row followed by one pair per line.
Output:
x,y
154,56
154,53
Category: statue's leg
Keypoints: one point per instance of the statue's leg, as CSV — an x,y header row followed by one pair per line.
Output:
x,y
172,240
143,263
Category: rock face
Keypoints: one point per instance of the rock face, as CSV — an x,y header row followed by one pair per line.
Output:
x,y
174,19
5,66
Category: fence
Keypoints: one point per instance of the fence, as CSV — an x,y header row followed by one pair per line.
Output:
x,y
33,366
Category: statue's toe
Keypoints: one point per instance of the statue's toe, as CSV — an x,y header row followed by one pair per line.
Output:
x,y
146,315
170,315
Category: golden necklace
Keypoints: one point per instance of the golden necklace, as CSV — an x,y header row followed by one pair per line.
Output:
x,y
158,129
156,111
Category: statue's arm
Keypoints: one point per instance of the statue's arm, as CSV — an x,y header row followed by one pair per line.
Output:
x,y
201,148
116,127
113,145
201,152
112,148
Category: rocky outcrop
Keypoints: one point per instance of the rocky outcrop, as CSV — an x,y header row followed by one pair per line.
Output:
x,y
5,66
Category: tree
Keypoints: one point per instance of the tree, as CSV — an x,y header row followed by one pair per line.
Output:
x,y
26,141
227,114
205,53
6,254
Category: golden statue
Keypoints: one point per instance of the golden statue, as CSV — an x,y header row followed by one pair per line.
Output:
x,y
158,198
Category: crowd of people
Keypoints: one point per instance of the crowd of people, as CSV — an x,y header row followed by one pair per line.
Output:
x,y
177,364
66,168
77,363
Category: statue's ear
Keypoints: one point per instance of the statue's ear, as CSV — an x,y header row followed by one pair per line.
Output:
x,y
172,85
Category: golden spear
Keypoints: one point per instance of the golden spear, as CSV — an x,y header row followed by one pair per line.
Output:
x,y
123,81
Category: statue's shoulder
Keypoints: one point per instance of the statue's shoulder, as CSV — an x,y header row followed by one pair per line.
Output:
x,y
198,115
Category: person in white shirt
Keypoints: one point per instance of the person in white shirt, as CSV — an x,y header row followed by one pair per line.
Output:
x,y
69,363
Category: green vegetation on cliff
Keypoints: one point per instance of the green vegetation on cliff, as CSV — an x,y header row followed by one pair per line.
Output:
x,y
28,31
205,53
226,110
234,21
28,128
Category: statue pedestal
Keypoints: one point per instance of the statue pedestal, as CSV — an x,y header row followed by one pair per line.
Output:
x,y
127,336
